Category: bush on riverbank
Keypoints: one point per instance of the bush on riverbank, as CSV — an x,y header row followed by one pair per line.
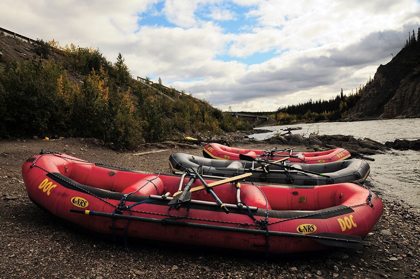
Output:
x,y
77,92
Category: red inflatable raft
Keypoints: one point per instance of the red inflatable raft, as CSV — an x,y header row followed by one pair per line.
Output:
x,y
219,151
273,219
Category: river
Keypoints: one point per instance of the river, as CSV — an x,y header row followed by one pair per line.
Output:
x,y
395,173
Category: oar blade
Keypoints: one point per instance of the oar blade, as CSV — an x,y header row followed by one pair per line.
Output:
x,y
180,199
339,240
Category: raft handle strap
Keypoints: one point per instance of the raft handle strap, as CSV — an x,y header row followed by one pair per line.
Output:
x,y
238,193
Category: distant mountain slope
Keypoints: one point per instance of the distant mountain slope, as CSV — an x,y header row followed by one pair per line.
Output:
x,y
395,89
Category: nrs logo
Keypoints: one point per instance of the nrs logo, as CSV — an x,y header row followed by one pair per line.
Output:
x,y
306,228
79,202
347,223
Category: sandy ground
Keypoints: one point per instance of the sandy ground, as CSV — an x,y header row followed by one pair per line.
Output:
x,y
35,245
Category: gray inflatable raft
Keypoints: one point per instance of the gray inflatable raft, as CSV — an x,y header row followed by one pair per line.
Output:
x,y
353,170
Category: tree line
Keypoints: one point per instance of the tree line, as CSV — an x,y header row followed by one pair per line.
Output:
x,y
331,110
412,41
81,94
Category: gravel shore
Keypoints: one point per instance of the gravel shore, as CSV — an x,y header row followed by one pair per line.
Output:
x,y
35,245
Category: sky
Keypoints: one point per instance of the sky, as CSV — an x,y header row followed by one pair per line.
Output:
x,y
239,55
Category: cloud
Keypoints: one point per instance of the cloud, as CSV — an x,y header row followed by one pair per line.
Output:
x,y
316,47
221,14
323,71
181,12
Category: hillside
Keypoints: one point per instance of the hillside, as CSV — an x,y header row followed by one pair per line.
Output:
x,y
395,89
49,90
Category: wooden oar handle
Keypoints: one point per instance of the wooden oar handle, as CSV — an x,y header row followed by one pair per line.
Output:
x,y
217,183
275,162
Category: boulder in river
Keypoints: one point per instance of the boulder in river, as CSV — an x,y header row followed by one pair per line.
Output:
x,y
403,144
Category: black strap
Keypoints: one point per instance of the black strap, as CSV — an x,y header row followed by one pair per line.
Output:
x,y
262,224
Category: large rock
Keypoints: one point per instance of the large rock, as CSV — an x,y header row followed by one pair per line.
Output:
x,y
368,143
314,140
296,139
403,144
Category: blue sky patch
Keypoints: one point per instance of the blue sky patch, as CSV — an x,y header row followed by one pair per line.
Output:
x,y
256,58
236,24
154,16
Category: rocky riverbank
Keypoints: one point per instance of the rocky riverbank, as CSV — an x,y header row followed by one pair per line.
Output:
x,y
35,245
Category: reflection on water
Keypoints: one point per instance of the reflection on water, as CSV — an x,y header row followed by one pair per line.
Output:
x,y
394,173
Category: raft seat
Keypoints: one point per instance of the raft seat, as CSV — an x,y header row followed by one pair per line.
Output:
x,y
235,165
150,185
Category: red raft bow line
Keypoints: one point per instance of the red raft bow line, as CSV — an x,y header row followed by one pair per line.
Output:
x,y
219,151
273,219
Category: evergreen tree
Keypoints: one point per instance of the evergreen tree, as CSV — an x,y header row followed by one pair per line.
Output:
x,y
122,73
418,36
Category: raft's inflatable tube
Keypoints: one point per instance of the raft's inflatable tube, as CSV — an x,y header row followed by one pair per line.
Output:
x,y
219,151
273,219
353,170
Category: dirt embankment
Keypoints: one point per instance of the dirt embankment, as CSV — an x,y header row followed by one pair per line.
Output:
x,y
35,245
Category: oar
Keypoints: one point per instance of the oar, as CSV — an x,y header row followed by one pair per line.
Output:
x,y
307,171
271,154
329,239
217,183
230,179
185,195
210,190
249,158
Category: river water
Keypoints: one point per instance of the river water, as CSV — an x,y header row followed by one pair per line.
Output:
x,y
395,173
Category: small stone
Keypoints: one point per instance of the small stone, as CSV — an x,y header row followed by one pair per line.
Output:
x,y
175,267
139,272
293,268
342,256
386,232
393,259
318,272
